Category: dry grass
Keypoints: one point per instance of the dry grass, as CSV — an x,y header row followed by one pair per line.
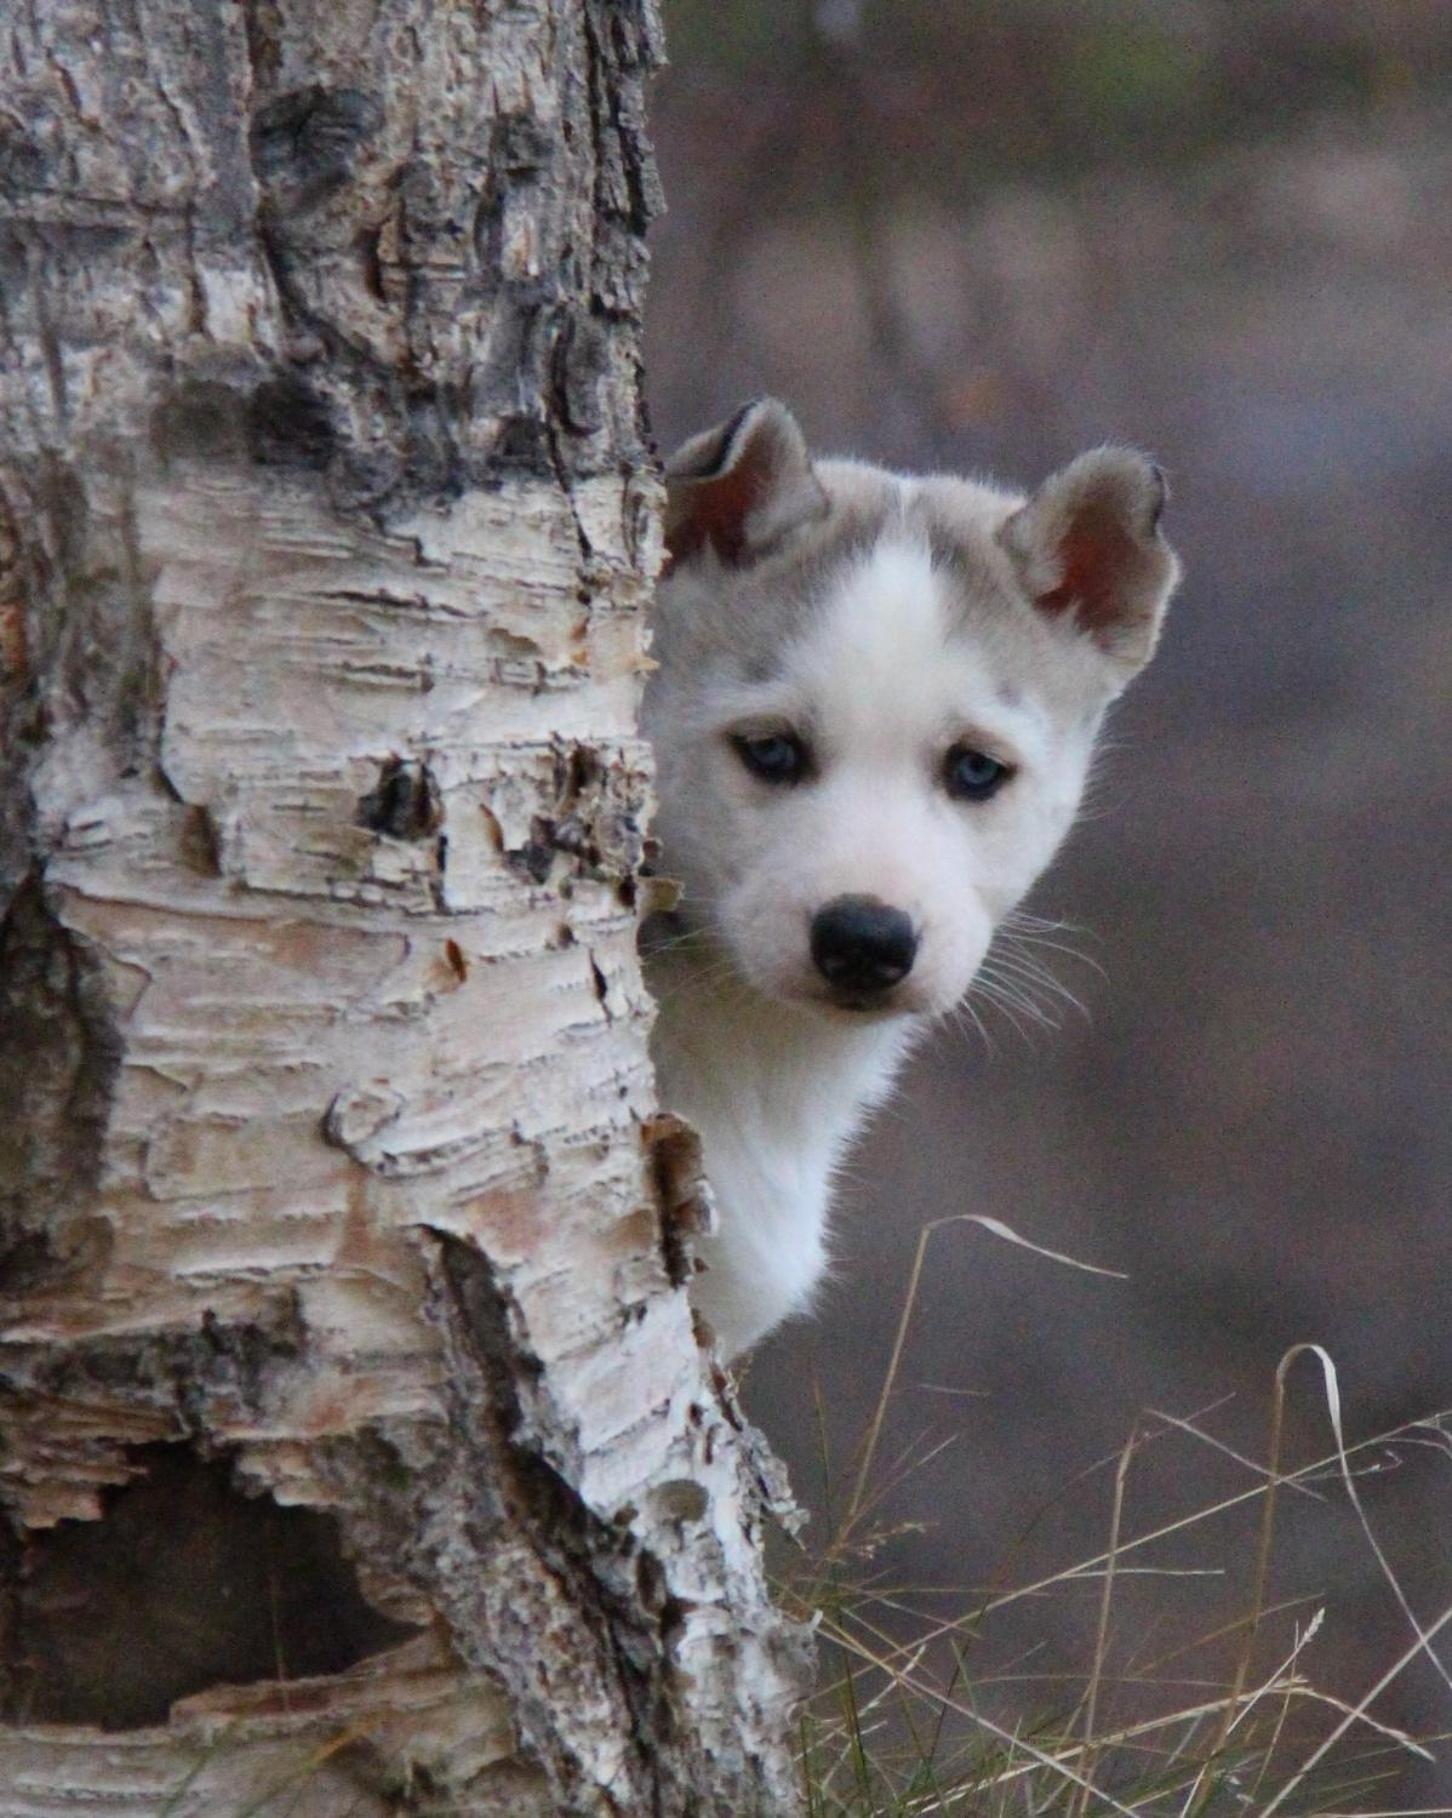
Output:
x,y
914,1716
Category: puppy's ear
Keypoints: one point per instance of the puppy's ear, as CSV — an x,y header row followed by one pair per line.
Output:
x,y
739,487
1087,546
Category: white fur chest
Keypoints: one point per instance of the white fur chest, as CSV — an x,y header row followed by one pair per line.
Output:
x,y
776,1097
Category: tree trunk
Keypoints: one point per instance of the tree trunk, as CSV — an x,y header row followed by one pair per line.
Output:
x,y
357,1452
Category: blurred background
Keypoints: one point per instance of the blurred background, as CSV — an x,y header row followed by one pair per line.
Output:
x,y
981,237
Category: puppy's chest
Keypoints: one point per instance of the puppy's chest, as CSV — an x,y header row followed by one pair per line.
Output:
x,y
761,1169
773,1127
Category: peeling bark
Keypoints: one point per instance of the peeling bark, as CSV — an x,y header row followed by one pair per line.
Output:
x,y
355,1448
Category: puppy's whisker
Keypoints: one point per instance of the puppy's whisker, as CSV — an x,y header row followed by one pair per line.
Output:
x,y
1014,1002
1012,958
1038,984
1029,1007
653,944
1018,935
967,1022
682,982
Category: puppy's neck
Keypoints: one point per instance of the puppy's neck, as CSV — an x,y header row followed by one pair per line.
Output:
x,y
723,1051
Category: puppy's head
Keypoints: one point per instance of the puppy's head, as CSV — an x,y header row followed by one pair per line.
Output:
x,y
877,700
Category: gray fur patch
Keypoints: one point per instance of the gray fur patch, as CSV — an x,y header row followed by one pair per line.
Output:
x,y
716,618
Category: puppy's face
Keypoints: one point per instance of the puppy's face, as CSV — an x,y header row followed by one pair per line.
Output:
x,y
877,701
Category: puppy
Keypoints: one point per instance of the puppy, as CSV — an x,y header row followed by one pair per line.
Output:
x,y
875,707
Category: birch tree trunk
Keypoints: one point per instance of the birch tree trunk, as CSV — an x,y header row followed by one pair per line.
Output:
x,y
355,1447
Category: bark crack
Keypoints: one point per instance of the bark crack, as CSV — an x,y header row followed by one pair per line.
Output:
x,y
59,1065
616,1588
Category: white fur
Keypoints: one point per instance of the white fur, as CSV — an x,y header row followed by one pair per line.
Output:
x,y
776,1094
887,690
886,667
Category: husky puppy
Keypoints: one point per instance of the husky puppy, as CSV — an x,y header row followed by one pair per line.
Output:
x,y
876,701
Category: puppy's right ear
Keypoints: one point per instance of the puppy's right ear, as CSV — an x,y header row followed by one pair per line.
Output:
x,y
741,486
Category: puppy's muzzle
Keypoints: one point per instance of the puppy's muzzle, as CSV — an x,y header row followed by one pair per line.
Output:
x,y
862,947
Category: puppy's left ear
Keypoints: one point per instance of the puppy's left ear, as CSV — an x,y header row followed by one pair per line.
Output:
x,y
1088,547
740,487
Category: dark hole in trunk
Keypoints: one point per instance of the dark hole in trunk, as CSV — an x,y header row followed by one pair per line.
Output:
x,y
186,1583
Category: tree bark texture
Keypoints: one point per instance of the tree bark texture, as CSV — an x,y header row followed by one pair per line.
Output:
x,y
356,1450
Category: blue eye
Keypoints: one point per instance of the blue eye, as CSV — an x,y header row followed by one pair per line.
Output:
x,y
776,757
973,776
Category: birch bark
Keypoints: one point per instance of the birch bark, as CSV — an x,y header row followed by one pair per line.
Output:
x,y
355,1450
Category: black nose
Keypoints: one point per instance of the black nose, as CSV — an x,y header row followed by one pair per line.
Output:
x,y
859,944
